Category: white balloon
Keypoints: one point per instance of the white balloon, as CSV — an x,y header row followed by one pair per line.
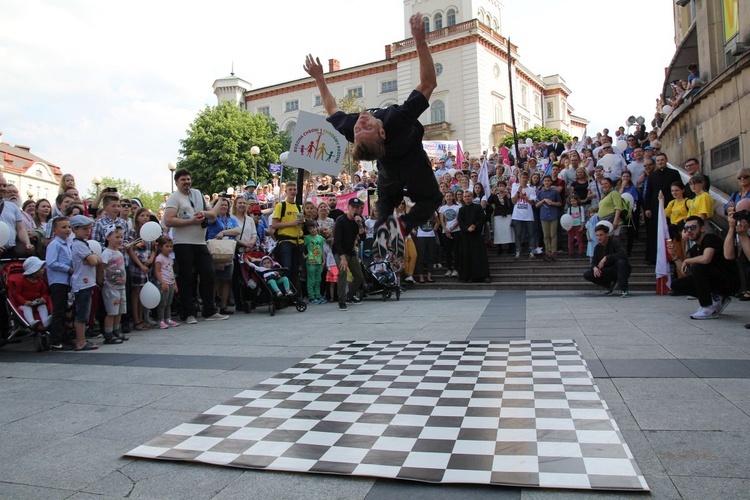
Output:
x,y
529,141
622,146
95,247
609,161
150,231
4,233
566,221
150,296
666,109
629,198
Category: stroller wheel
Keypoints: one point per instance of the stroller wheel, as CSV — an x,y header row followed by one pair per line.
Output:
x,y
386,295
301,306
46,341
398,293
272,308
38,343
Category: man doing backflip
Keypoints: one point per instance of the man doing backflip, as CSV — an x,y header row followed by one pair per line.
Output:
x,y
393,137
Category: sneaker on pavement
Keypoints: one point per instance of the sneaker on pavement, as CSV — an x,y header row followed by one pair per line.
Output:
x,y
448,273
172,323
217,317
322,301
705,313
315,302
191,320
455,274
342,306
624,294
720,303
609,290
531,255
518,255
409,279
163,325
354,300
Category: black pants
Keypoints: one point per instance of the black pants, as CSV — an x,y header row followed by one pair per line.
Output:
x,y
195,260
421,188
452,246
288,254
704,280
425,246
58,293
619,272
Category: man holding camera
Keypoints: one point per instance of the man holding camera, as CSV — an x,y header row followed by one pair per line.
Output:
x,y
185,212
345,232
709,275
739,224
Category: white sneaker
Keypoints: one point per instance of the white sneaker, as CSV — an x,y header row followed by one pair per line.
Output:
x,y
455,273
448,273
191,320
217,317
409,279
720,303
705,313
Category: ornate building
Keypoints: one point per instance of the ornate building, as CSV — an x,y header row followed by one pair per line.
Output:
x,y
711,125
33,176
472,100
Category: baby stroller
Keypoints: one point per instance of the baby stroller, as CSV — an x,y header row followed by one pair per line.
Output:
x,y
381,276
256,290
17,327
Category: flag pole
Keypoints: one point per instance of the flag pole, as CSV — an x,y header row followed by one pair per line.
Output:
x,y
512,106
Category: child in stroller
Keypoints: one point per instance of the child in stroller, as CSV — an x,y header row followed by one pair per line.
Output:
x,y
382,277
28,302
264,283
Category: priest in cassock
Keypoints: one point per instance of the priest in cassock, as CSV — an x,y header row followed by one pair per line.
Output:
x,y
473,265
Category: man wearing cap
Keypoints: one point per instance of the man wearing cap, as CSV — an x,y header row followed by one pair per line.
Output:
x,y
393,136
250,193
186,214
345,232
18,244
610,262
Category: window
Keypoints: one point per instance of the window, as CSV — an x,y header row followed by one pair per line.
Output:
x,y
437,112
438,69
731,19
290,127
264,110
537,103
496,70
389,86
426,22
451,17
291,106
355,93
550,109
524,96
525,124
317,101
438,21
726,153
498,113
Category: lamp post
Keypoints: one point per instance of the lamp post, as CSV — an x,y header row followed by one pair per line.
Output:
x,y
283,158
30,194
171,168
255,151
97,182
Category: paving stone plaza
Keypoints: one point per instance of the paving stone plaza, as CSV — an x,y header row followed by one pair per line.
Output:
x,y
679,391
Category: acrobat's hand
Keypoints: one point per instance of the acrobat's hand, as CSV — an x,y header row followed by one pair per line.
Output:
x,y
417,27
313,67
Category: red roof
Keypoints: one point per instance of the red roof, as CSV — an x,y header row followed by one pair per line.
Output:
x,y
18,159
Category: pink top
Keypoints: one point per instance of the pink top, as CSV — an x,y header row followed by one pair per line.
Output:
x,y
167,273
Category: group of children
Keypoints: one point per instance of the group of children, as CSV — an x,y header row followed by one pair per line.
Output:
x,y
75,267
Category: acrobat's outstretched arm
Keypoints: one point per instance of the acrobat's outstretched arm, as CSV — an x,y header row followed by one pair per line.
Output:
x,y
427,76
313,68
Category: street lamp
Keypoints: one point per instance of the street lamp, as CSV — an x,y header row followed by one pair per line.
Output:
x,y
97,182
283,159
255,151
30,194
171,168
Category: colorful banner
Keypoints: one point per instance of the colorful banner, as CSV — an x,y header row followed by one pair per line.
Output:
x,y
316,145
342,200
438,149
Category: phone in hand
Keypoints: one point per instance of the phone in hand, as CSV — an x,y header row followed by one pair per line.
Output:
x,y
110,190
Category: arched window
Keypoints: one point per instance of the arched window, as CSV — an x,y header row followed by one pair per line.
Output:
x,y
438,21
488,21
426,22
451,17
437,113
290,127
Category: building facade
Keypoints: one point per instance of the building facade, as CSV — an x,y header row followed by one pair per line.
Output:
x,y
713,124
34,177
472,100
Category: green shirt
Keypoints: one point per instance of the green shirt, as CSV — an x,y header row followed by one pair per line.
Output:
x,y
314,248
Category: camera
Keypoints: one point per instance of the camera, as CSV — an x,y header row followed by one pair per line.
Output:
x,y
110,190
742,215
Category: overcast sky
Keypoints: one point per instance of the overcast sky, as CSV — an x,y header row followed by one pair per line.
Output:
x,y
109,88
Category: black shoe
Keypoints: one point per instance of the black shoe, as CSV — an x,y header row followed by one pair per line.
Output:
x,y
342,306
225,312
125,328
93,335
61,346
354,300
111,339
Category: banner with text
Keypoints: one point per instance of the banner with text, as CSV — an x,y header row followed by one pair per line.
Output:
x,y
316,145
438,149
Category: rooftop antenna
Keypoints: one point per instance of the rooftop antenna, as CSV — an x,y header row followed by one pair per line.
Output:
x,y
232,72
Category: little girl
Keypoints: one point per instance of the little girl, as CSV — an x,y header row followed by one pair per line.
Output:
x,y
167,284
111,279
32,293
141,257
577,212
591,231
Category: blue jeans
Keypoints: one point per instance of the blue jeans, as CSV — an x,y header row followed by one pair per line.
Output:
x,y
518,229
288,254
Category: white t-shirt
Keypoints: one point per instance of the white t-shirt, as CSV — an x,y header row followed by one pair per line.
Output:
x,y
523,210
247,228
450,212
186,207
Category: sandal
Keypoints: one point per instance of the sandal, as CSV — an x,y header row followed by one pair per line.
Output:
x,y
430,280
142,326
744,296
88,346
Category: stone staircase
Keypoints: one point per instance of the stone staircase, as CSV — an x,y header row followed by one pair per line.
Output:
x,y
535,274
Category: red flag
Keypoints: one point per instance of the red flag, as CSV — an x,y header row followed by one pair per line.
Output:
x,y
459,156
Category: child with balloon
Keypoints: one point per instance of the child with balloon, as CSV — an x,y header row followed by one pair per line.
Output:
x,y
111,279
164,272
142,254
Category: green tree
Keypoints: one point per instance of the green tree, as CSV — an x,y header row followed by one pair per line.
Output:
x,y
538,134
129,189
217,147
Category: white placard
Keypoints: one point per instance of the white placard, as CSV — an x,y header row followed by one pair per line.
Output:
x,y
316,145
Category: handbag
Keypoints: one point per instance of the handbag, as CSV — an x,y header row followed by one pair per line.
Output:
x,y
222,252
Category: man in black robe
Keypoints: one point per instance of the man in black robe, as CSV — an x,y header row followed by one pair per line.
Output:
x,y
473,265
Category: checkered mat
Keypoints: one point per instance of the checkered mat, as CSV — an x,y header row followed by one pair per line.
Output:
x,y
520,413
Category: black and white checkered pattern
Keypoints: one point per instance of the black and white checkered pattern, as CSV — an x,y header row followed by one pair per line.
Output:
x,y
520,413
